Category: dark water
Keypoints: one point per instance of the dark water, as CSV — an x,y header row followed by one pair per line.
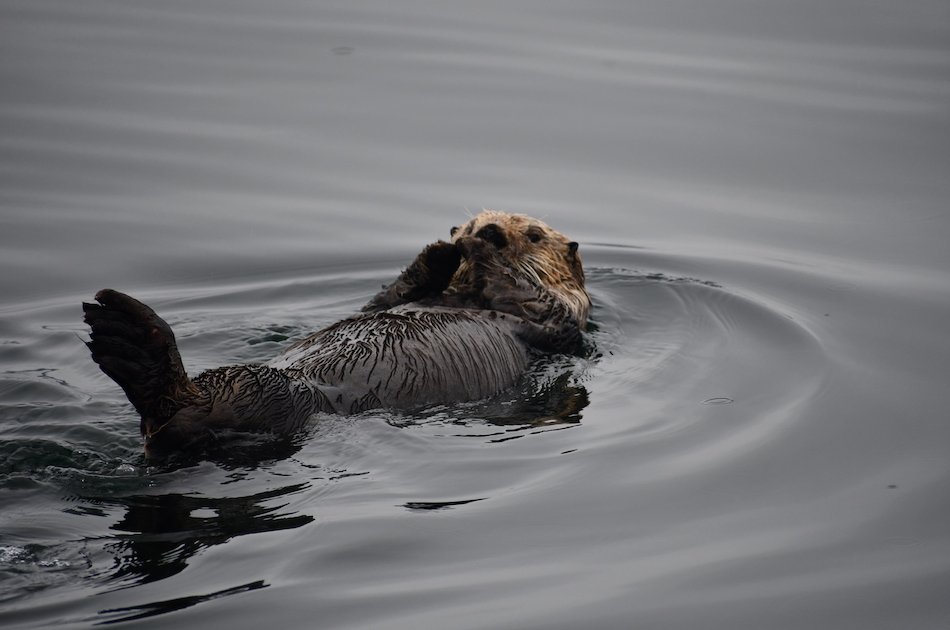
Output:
x,y
760,191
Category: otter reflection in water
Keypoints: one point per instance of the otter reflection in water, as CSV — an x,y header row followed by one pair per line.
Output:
x,y
460,323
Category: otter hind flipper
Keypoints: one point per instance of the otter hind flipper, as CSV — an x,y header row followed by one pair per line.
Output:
x,y
137,349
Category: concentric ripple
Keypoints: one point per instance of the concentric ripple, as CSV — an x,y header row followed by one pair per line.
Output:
x,y
692,371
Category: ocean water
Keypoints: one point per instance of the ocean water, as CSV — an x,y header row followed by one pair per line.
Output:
x,y
760,189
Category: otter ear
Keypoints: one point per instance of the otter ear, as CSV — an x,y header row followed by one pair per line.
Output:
x,y
453,230
572,248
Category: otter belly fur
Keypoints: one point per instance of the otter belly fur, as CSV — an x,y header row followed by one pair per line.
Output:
x,y
407,355
461,322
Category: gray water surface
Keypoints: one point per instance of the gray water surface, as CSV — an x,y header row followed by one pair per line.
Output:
x,y
760,439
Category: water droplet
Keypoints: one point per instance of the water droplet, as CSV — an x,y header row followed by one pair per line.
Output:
x,y
722,400
55,563
12,554
125,469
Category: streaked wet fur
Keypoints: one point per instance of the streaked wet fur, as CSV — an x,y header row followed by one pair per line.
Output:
x,y
461,322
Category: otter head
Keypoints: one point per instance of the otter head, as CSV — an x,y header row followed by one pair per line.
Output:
x,y
542,255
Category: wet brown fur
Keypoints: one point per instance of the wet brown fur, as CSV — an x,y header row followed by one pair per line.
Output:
x,y
548,258
459,323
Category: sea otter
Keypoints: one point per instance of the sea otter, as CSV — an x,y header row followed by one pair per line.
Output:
x,y
461,322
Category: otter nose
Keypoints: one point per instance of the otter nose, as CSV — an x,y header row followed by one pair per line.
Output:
x,y
494,235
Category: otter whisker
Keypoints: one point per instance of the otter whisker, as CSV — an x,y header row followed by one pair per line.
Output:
x,y
528,268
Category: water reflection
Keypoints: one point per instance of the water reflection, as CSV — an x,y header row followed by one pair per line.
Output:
x,y
143,611
163,532
233,450
555,400
549,394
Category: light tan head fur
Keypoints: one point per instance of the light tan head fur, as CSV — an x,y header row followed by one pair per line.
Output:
x,y
543,255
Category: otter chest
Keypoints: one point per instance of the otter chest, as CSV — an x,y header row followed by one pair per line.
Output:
x,y
409,356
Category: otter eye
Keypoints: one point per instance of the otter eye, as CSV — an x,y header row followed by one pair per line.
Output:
x,y
534,234
572,248
453,230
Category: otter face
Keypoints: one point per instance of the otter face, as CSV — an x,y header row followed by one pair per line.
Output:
x,y
543,255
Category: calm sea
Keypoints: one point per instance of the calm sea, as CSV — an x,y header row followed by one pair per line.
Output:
x,y
760,189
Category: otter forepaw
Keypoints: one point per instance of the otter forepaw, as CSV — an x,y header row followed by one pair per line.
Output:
x,y
476,250
442,260
428,275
